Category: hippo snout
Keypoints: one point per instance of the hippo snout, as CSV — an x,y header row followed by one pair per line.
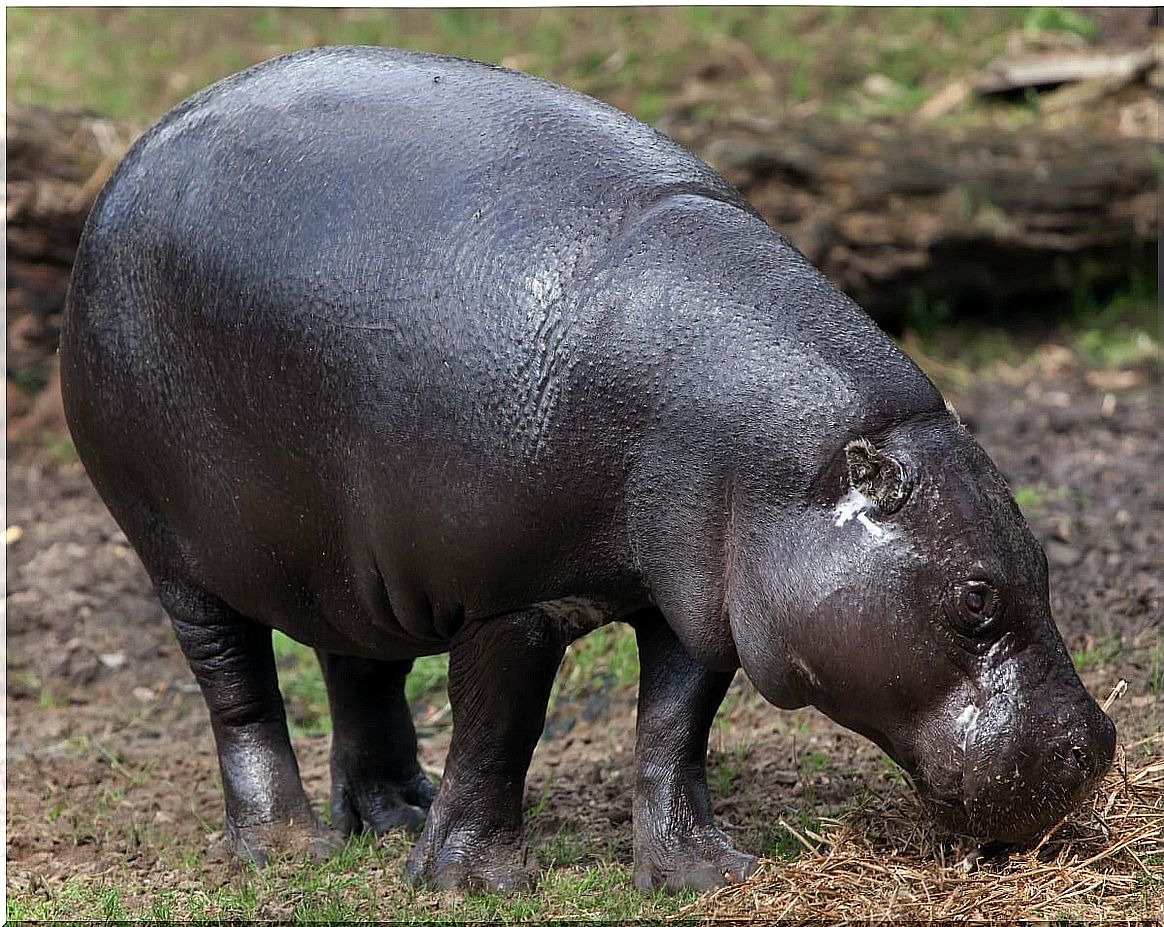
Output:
x,y
1092,746
1021,780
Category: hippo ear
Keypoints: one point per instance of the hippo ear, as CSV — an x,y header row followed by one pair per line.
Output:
x,y
877,475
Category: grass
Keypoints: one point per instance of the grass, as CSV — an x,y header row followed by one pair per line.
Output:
x,y
1033,499
881,861
783,840
724,767
338,889
604,660
600,663
29,381
1060,19
60,449
136,63
874,858
362,883
813,762
1101,652
428,681
301,682
1120,330
1114,329
866,836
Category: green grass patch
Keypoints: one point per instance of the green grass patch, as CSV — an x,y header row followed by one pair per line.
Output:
x,y
60,449
1101,652
1120,330
1117,348
135,63
363,882
1060,19
604,661
776,841
30,380
724,767
1034,499
813,762
429,680
304,692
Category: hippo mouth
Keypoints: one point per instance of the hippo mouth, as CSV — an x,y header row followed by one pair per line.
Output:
x,y
1009,826
1015,809
949,812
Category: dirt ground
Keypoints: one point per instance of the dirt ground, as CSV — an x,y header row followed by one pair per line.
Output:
x,y
110,758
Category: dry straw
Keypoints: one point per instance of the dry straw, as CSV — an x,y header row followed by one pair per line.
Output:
x,y
883,860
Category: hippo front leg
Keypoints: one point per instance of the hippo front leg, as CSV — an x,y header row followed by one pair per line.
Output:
x,y
500,674
376,781
267,810
676,845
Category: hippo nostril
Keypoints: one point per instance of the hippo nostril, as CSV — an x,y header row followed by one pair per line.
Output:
x,y
1079,755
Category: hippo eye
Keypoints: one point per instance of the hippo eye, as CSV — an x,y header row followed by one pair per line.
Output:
x,y
973,606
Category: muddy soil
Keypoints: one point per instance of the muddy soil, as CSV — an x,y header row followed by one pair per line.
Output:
x,y
110,758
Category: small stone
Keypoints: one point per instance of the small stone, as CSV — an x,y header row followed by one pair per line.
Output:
x,y
878,85
113,661
945,101
1062,555
1114,381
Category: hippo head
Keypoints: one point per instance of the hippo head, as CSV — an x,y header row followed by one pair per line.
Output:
x,y
916,612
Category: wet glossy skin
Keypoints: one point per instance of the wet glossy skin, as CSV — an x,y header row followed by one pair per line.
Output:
x,y
401,354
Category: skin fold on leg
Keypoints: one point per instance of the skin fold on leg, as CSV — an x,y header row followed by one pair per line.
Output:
x,y
676,844
267,811
376,781
500,674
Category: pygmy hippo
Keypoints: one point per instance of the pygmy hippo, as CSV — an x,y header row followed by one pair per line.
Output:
x,y
403,354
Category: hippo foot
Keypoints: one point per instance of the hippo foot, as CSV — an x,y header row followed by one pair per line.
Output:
x,y
703,860
469,864
260,845
380,806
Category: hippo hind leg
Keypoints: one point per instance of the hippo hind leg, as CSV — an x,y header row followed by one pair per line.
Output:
x,y
500,674
676,844
267,811
376,782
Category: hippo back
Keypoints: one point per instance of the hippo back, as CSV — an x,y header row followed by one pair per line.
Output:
x,y
405,297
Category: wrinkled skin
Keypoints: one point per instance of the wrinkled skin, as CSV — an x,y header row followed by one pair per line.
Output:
x,y
401,355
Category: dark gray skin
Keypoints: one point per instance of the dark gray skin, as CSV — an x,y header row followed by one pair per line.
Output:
x,y
403,354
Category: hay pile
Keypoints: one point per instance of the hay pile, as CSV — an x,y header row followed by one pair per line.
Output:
x,y
883,861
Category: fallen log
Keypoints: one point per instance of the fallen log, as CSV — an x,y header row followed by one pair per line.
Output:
x,y
57,163
1017,72
900,216
985,222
